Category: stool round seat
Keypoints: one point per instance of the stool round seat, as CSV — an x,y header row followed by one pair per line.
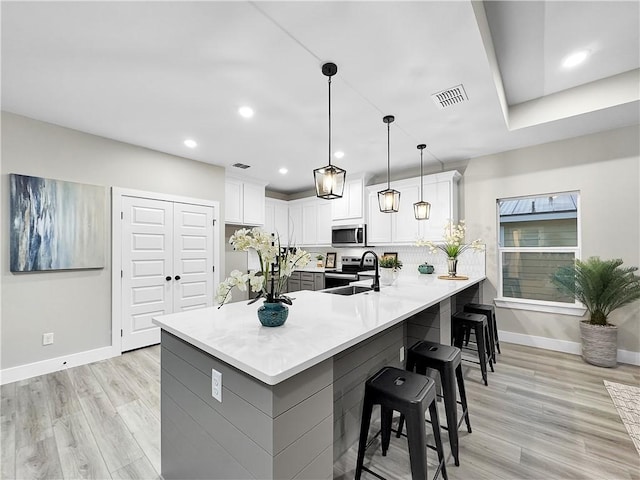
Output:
x,y
462,322
446,360
410,394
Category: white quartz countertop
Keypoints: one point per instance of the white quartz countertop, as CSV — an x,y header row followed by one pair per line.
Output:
x,y
319,326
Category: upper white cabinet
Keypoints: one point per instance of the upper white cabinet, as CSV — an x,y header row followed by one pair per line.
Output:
x,y
276,219
311,220
440,190
351,208
295,223
244,202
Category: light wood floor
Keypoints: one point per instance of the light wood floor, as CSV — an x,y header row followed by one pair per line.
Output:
x,y
544,415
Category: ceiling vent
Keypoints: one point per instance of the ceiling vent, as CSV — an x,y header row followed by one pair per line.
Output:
x,y
450,96
241,165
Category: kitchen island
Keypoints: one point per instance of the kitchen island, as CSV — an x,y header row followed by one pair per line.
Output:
x,y
291,395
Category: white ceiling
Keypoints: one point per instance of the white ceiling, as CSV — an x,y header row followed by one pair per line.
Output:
x,y
154,74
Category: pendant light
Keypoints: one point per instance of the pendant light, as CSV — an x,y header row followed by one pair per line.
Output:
x,y
421,209
389,199
329,180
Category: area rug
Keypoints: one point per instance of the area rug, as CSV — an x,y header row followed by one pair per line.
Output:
x,y
626,398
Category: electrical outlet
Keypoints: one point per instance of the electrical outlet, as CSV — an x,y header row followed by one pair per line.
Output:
x,y
47,338
402,353
216,385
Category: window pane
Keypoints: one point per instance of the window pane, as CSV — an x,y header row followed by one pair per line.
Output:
x,y
541,233
543,221
528,275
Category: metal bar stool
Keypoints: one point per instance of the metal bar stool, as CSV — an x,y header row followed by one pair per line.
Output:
x,y
461,322
490,312
410,394
447,361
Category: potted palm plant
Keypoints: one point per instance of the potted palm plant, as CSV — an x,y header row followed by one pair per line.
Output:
x,y
602,286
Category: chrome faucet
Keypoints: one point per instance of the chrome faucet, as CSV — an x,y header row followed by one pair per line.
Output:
x,y
376,279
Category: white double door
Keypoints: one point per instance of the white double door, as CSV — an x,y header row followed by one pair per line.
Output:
x,y
167,264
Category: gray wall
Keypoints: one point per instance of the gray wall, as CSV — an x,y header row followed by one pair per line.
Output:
x,y
605,168
76,305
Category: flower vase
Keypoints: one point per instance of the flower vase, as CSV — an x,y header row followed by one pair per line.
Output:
x,y
388,275
452,266
273,314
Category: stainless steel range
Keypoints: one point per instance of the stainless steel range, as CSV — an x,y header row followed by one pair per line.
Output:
x,y
348,272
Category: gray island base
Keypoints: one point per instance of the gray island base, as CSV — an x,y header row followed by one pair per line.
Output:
x,y
278,429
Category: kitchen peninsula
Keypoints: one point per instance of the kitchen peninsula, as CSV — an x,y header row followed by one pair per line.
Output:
x,y
290,395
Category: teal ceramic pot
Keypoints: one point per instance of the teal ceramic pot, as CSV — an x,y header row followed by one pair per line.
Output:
x,y
425,268
273,314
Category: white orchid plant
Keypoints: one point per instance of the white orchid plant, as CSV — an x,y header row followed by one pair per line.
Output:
x,y
275,266
453,244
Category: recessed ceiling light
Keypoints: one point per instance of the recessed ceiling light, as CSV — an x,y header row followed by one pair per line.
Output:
x,y
338,154
283,171
575,59
190,143
246,112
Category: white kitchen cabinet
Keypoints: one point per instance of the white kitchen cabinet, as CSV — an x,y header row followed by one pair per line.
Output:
x,y
440,190
399,227
316,221
323,233
276,219
295,223
233,201
351,207
309,223
378,224
439,193
404,226
244,202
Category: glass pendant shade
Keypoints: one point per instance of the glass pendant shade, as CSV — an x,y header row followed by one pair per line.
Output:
x,y
389,200
422,210
329,181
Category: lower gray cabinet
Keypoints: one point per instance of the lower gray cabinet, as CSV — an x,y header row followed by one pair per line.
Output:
x,y
305,281
293,284
318,281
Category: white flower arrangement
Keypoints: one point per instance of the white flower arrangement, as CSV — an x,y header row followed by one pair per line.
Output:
x,y
275,266
453,245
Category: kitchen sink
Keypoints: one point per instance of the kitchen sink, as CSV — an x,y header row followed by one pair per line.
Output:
x,y
348,290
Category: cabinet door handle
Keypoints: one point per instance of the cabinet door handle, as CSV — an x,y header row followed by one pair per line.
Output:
x,y
177,277
168,278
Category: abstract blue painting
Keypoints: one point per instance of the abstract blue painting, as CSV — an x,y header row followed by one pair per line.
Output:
x,y
56,225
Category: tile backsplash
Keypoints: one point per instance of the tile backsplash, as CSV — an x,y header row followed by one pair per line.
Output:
x,y
470,262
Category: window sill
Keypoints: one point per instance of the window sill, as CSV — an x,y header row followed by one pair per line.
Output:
x,y
538,306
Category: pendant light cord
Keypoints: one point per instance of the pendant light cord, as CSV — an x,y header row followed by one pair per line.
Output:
x,y
388,155
329,121
421,178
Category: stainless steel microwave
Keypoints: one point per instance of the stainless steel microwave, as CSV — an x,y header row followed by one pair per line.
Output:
x,y
349,236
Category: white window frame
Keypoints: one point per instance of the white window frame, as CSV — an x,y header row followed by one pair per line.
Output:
x,y
575,309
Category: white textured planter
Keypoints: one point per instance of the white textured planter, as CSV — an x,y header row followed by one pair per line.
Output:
x,y
388,275
599,344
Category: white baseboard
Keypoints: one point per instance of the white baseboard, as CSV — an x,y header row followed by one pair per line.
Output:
x,y
22,372
624,356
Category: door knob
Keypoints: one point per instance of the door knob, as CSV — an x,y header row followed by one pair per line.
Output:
x,y
168,278
177,277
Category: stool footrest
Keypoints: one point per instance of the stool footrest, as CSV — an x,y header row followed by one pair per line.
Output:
x,y
373,473
394,430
